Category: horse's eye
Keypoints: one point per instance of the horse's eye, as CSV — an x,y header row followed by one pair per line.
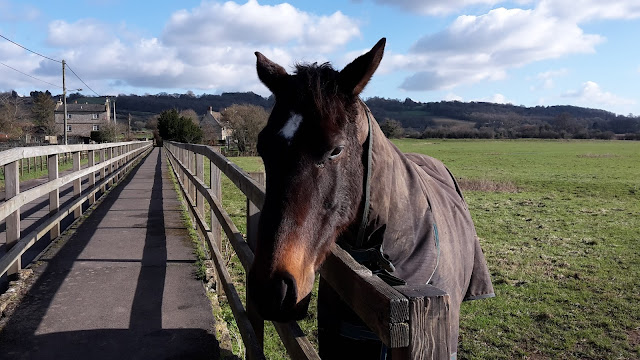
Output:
x,y
336,152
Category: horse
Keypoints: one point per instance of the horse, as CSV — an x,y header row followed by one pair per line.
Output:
x,y
332,177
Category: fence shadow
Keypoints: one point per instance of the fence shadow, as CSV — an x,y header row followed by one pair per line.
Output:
x,y
145,338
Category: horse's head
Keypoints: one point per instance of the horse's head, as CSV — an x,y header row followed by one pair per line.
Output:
x,y
312,148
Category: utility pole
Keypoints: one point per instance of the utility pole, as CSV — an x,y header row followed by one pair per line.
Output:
x,y
64,101
114,112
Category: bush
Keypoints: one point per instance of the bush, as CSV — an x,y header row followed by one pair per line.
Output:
x,y
392,129
172,126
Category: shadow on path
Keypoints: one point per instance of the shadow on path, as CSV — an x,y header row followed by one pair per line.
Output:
x,y
27,335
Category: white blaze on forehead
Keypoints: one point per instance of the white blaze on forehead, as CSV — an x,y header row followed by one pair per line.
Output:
x,y
291,126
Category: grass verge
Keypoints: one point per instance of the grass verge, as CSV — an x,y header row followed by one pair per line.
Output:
x,y
562,248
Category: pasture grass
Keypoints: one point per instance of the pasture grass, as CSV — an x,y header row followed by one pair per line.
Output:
x,y
561,242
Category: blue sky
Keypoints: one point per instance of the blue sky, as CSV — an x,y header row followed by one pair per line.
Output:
x,y
524,52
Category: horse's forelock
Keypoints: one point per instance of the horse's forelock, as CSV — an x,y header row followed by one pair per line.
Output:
x,y
320,85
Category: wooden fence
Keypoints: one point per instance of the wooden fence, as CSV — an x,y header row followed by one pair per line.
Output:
x,y
114,159
412,321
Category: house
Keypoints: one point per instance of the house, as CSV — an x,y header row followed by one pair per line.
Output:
x,y
82,119
215,130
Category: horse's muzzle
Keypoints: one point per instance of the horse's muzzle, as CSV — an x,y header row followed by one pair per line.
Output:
x,y
276,297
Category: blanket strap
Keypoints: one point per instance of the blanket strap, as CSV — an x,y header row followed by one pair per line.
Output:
x,y
373,258
367,186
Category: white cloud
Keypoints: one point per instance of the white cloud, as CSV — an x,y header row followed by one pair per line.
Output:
x,y
452,97
586,10
218,24
476,48
547,78
496,99
207,48
591,94
436,7
82,32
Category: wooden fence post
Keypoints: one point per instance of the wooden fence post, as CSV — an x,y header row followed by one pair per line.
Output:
x,y
200,175
77,184
215,181
111,167
54,195
190,168
12,188
428,323
103,170
253,217
118,152
253,213
91,158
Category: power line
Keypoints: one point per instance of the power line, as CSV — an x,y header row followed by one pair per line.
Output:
x,y
46,57
85,84
33,77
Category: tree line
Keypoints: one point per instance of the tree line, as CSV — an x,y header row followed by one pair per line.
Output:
x,y
455,119
247,112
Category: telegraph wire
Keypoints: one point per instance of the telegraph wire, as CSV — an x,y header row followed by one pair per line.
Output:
x,y
85,84
33,77
46,57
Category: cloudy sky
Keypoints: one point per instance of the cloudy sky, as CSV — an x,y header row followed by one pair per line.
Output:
x,y
524,52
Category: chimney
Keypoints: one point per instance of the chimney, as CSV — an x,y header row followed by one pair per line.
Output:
x,y
210,109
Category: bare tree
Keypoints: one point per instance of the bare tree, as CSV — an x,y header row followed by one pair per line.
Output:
x,y
246,122
12,114
191,114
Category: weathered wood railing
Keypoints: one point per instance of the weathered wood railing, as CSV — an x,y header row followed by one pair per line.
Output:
x,y
412,321
114,160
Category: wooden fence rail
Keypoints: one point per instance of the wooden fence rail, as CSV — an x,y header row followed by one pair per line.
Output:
x,y
412,321
115,159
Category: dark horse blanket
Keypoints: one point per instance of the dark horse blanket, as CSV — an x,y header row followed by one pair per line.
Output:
x,y
419,217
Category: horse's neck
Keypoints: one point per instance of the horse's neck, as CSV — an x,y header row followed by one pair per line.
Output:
x,y
394,180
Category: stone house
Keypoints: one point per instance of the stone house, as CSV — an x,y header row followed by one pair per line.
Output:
x,y
215,130
82,119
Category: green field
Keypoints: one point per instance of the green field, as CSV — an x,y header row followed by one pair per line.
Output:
x,y
559,223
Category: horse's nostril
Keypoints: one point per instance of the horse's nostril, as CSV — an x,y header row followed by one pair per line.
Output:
x,y
288,290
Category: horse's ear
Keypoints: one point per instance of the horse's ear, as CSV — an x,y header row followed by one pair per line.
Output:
x,y
270,73
355,76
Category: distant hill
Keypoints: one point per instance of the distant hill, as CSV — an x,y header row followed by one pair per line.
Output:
x,y
482,119
442,119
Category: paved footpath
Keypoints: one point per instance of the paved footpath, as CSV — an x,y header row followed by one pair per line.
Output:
x,y
123,285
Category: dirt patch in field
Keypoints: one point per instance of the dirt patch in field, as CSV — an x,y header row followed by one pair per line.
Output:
x,y
597,156
634,338
487,185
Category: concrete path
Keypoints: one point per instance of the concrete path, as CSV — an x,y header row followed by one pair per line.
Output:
x,y
123,285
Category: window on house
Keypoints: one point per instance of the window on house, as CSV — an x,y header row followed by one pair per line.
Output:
x,y
68,128
96,127
94,116
68,116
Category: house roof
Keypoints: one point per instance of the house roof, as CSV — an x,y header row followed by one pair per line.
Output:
x,y
92,108
212,117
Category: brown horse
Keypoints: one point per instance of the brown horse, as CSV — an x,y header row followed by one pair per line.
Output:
x,y
332,176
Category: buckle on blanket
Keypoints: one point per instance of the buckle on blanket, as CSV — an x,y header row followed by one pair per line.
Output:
x,y
377,262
